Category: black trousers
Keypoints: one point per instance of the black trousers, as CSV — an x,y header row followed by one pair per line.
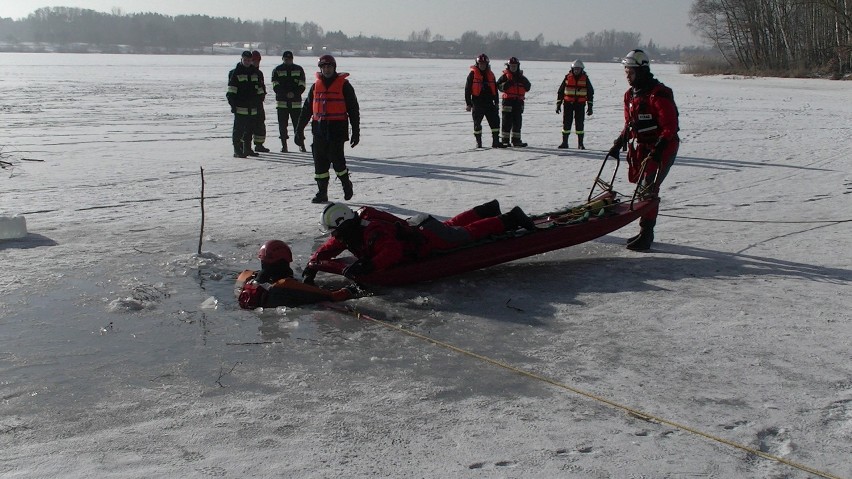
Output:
x,y
489,112
243,127
327,154
573,112
513,111
285,114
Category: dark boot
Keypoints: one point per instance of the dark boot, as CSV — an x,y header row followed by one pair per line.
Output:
x,y
505,141
643,241
258,147
478,140
284,146
580,141
516,141
238,150
347,187
247,149
488,210
322,191
495,141
564,143
516,218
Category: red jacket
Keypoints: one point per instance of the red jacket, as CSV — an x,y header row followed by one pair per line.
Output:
x,y
649,116
381,243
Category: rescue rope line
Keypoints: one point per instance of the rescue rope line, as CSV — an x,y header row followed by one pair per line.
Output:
x,y
632,411
755,221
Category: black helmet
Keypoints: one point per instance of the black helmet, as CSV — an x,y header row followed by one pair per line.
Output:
x,y
513,61
483,58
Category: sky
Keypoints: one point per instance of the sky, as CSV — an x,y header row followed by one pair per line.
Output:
x,y
560,21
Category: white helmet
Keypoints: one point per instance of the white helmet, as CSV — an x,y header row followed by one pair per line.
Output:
x,y
578,64
636,58
335,214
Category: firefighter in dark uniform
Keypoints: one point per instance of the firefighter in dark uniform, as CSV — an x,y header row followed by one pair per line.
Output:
x,y
243,88
259,130
480,96
514,86
577,93
288,82
331,107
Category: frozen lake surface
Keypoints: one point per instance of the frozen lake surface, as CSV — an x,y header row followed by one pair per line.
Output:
x,y
124,353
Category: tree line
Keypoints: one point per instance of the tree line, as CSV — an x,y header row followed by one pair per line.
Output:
x,y
75,29
776,36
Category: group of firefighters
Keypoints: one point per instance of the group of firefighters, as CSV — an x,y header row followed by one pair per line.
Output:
x,y
649,135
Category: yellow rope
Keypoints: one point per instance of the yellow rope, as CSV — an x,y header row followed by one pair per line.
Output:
x,y
635,412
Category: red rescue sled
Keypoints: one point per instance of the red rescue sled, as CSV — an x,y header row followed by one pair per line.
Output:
x,y
555,231
601,215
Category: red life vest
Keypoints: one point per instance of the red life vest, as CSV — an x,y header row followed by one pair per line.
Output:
x,y
329,104
514,92
575,88
479,80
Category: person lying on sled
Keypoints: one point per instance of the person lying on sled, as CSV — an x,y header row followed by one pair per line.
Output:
x,y
273,285
381,240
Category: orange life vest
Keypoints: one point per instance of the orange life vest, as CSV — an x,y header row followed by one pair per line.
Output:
x,y
479,80
329,104
514,92
575,88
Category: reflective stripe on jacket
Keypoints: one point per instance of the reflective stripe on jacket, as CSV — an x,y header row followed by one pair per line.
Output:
x,y
575,88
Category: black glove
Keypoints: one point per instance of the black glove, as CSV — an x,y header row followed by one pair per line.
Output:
x,y
558,107
233,109
356,138
615,150
657,152
589,110
358,268
308,275
300,138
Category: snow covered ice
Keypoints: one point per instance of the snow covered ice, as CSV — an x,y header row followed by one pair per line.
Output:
x,y
123,351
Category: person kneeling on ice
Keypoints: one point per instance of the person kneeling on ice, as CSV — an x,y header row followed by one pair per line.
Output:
x,y
381,240
275,286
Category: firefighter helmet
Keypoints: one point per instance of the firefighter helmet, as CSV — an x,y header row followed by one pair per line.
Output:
x,y
578,64
275,251
513,61
335,214
636,59
327,60
483,58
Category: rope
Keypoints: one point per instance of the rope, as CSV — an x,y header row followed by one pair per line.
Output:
x,y
754,221
632,411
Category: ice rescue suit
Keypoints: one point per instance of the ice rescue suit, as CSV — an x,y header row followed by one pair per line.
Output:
x,y
651,121
387,240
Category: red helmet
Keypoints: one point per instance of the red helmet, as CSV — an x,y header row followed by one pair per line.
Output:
x,y
482,58
326,60
275,251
